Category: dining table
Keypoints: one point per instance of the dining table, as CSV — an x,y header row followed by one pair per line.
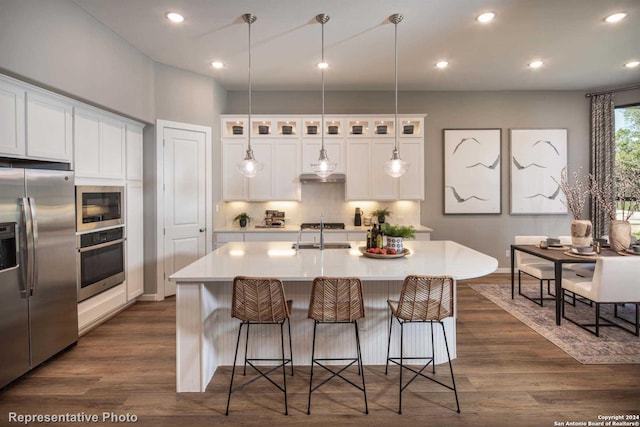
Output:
x,y
559,257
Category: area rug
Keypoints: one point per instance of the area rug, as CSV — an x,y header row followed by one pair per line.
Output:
x,y
613,346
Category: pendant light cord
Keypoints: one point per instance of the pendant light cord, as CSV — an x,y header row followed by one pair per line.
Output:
x,y
396,78
250,125
322,71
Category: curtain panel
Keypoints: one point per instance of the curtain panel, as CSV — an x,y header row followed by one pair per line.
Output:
x,y
603,154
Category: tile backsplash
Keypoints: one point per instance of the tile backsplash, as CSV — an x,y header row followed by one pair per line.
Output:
x,y
325,199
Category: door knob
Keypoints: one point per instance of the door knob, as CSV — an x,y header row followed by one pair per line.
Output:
x,y
202,230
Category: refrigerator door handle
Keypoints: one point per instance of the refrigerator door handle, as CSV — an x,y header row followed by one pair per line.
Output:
x,y
24,246
34,247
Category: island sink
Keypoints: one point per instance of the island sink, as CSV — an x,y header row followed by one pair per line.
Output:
x,y
330,245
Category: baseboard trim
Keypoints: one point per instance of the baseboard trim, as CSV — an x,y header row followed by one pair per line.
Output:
x,y
149,297
99,321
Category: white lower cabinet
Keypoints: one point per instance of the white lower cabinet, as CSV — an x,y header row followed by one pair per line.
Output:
x,y
135,241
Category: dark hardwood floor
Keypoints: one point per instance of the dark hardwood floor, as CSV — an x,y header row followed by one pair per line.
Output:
x,y
507,375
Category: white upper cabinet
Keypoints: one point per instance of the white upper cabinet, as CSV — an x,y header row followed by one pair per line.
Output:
x,y
276,143
12,119
99,145
134,152
288,145
49,127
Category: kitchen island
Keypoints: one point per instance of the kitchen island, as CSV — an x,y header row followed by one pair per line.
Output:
x,y
206,333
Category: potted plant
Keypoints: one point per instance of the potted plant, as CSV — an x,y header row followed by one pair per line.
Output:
x,y
243,219
396,235
381,214
621,196
576,194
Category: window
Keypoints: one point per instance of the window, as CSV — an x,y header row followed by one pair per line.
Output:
x,y
627,123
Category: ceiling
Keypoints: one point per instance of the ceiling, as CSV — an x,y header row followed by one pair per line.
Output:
x,y
580,51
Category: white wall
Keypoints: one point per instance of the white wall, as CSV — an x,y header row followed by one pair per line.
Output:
x,y
56,44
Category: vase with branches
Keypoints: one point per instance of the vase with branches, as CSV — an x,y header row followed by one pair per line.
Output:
x,y
620,199
576,194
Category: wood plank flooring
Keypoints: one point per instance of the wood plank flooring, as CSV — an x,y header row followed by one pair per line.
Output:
x,y
507,375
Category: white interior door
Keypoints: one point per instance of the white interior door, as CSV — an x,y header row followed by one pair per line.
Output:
x,y
184,201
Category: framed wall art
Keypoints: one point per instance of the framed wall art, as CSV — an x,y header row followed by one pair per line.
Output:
x,y
537,158
472,163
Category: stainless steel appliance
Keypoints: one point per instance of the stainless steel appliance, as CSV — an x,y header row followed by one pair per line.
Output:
x,y
99,207
100,261
38,308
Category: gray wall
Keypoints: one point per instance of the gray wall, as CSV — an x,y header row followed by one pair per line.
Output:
x,y
491,234
186,97
57,45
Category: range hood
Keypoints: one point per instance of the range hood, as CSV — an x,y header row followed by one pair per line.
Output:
x,y
306,178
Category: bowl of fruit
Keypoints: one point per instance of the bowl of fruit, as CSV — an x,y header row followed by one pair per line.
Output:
x,y
383,253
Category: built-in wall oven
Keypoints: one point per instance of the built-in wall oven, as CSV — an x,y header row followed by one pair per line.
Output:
x,y
100,261
99,207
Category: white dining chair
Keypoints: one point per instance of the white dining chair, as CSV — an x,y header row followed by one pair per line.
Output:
x,y
535,267
614,281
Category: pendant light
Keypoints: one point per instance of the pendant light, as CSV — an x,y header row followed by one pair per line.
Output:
x,y
396,167
249,167
324,167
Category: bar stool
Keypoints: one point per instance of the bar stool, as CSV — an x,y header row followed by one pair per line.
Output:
x,y
261,301
423,299
337,300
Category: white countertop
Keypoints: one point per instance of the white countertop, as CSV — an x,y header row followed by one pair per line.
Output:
x,y
277,259
296,227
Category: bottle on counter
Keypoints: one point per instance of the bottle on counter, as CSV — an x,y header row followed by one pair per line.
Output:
x,y
368,239
374,236
380,239
357,219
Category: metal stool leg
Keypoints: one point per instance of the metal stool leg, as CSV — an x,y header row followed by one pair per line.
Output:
x,y
290,347
246,347
401,365
313,352
386,368
284,369
361,368
233,371
455,391
433,351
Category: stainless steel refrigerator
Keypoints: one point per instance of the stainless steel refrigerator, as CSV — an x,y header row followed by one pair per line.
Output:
x,y
38,292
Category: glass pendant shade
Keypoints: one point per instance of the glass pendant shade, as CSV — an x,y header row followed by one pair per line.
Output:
x,y
396,167
324,167
250,167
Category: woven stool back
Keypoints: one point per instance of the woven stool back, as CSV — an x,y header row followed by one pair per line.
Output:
x,y
259,299
336,299
426,298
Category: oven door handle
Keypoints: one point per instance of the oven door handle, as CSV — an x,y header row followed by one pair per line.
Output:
x,y
102,245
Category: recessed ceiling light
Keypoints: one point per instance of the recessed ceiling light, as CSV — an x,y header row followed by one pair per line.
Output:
x,y
535,64
217,65
632,64
486,17
442,64
616,17
175,17
323,65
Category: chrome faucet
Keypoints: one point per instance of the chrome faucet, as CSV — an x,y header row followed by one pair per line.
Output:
x,y
321,233
298,240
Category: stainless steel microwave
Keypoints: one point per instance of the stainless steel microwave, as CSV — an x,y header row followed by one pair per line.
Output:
x,y
99,207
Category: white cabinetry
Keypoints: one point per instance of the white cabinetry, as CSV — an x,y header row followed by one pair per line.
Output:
x,y
278,147
366,156
134,152
49,129
99,145
135,240
12,119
